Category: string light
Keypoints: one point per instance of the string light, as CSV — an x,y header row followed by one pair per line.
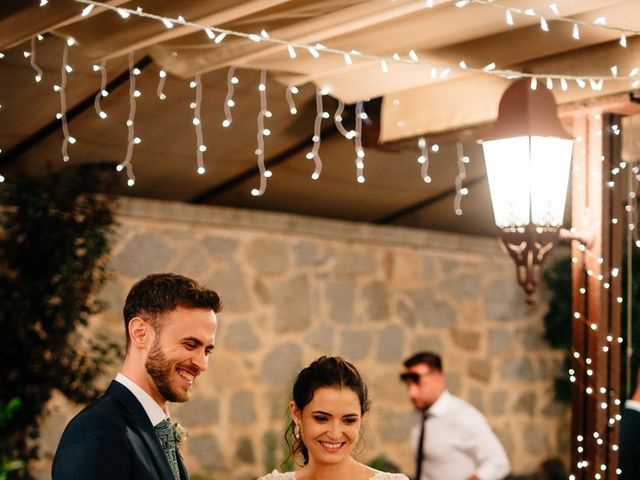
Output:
x,y
103,88
288,95
360,115
62,116
162,75
313,154
32,55
228,101
264,173
382,60
423,159
460,190
201,147
337,118
132,139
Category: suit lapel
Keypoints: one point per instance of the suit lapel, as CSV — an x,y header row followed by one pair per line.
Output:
x,y
184,475
138,419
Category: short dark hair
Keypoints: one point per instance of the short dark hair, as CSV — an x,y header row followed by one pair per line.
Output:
x,y
160,293
324,372
430,359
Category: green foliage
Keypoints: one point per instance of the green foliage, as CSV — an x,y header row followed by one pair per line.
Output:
x,y
55,237
557,321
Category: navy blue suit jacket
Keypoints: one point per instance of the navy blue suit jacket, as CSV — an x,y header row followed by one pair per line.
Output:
x,y
112,439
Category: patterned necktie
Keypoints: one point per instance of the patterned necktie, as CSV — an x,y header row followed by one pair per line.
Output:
x,y
165,434
420,455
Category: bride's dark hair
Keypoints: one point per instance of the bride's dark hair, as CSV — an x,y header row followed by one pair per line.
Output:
x,y
324,372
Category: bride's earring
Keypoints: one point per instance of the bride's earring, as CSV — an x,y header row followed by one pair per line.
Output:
x,y
296,431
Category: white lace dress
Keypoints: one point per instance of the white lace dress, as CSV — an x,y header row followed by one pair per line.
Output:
x,y
275,475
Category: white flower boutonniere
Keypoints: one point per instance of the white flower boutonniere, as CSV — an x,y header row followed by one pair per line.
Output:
x,y
180,433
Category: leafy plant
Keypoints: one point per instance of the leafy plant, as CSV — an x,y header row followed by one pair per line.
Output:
x,y
55,238
557,321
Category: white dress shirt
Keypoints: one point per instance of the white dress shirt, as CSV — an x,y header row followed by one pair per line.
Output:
x,y
632,405
459,443
154,411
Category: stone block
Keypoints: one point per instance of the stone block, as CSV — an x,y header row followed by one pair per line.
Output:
x,y
240,336
197,412
230,283
244,451
321,338
499,341
395,426
205,448
376,300
340,298
268,256
242,409
476,398
517,369
498,403
465,339
354,262
143,254
355,344
292,300
390,343
281,364
526,403
479,369
220,248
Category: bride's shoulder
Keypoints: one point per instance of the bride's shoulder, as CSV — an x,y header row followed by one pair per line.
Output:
x,y
276,475
389,476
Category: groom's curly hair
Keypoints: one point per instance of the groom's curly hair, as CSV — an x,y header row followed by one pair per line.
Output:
x,y
324,372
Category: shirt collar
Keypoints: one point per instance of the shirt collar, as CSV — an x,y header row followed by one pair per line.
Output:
x,y
154,411
441,405
632,405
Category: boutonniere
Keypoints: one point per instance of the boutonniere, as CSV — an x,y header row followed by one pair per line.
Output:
x,y
180,433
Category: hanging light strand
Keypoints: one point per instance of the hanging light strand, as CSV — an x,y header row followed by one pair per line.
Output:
x,y
462,173
68,139
264,173
103,89
289,96
382,60
337,117
314,153
360,115
132,139
32,59
197,123
228,101
423,159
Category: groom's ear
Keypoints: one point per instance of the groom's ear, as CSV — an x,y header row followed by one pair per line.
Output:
x,y
140,332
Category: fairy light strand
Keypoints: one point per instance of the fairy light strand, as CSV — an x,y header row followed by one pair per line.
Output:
x,y
337,118
360,115
315,50
462,173
598,23
229,103
162,75
423,159
32,59
197,123
264,173
314,153
291,90
66,69
132,139
103,89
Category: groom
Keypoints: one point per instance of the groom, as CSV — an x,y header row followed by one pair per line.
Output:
x,y
171,323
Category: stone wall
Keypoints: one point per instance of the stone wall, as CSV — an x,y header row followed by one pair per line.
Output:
x,y
294,288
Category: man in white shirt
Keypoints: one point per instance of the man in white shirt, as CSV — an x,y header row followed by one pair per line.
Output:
x,y
126,434
629,454
452,439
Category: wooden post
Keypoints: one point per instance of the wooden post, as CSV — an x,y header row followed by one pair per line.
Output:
x,y
597,216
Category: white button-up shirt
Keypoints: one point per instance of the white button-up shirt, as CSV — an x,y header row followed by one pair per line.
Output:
x,y
459,443
154,411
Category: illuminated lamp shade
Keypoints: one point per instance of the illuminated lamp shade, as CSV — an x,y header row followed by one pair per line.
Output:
x,y
527,155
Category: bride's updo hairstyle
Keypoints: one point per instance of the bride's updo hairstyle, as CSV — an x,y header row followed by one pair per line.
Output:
x,y
324,372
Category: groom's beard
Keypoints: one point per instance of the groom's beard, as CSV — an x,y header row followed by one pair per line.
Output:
x,y
160,370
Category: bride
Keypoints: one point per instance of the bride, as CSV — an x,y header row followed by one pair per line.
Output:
x,y
329,400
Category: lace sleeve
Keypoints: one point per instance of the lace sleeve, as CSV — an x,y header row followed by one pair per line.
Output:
x,y
276,475
389,476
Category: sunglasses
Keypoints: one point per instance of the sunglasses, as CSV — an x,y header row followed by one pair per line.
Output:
x,y
412,377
